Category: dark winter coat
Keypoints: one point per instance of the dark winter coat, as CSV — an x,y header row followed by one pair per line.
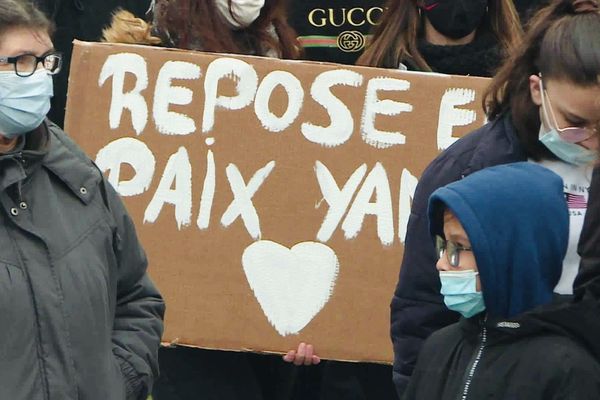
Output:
x,y
580,317
79,317
587,283
417,308
517,360
517,222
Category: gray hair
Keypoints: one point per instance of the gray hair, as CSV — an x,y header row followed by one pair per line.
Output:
x,y
23,14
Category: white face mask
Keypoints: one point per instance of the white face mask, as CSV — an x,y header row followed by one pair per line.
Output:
x,y
24,102
245,12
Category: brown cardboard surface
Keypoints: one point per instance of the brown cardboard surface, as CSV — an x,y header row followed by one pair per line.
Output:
x,y
144,115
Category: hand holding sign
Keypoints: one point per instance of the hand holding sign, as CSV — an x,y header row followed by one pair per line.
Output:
x,y
303,356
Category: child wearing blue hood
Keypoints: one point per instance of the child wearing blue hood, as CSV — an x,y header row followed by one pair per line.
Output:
x,y
501,235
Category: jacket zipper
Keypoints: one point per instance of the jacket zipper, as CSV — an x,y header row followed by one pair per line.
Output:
x,y
473,364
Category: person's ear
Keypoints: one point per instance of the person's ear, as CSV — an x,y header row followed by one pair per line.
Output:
x,y
535,89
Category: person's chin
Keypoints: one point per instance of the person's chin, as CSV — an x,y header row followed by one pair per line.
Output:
x,y
6,143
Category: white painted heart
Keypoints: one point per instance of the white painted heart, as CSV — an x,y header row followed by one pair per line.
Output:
x,y
291,285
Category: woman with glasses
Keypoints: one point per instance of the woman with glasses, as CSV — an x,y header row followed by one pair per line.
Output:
x,y
25,75
543,107
501,235
79,317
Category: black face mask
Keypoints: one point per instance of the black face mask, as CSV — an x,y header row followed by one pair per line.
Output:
x,y
455,18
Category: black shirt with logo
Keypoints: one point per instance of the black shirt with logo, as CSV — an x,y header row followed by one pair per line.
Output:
x,y
337,30
334,30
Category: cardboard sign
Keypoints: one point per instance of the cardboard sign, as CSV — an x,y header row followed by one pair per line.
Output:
x,y
271,196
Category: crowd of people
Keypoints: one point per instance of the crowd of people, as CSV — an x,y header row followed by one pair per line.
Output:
x,y
498,291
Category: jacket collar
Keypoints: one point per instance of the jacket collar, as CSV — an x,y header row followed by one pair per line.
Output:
x,y
17,164
487,154
69,164
555,319
49,147
500,330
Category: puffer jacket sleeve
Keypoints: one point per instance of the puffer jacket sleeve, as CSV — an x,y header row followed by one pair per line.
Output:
x,y
138,323
417,308
587,283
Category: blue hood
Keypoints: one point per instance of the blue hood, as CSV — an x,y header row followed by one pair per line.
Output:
x,y
517,221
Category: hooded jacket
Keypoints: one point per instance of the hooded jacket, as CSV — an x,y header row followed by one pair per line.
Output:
x,y
79,317
517,222
417,308
516,359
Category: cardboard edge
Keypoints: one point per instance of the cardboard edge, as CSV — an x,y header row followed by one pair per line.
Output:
x,y
175,343
388,71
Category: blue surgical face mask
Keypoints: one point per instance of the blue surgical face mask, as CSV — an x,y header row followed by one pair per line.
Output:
x,y
24,102
568,152
460,292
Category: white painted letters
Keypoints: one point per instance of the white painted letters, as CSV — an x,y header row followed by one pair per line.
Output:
x,y
374,106
295,93
208,192
117,66
178,171
242,198
449,116
338,200
246,83
129,151
377,184
342,123
171,122
230,85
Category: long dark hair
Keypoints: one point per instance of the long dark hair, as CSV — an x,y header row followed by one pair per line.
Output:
x,y
189,21
396,37
562,42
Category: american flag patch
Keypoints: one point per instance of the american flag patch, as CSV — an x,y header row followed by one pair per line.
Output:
x,y
575,200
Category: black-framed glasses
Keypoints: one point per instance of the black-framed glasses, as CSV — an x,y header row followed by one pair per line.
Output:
x,y
26,64
452,250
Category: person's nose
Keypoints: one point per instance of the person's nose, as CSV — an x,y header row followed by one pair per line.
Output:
x,y
443,264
